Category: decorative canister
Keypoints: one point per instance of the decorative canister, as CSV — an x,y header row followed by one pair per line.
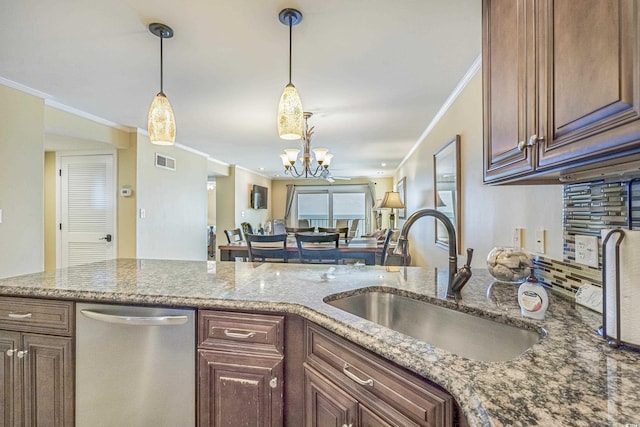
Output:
x,y
507,264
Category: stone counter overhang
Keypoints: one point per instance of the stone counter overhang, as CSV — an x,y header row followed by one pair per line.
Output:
x,y
570,378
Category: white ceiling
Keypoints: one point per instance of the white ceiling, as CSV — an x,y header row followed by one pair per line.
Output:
x,y
373,72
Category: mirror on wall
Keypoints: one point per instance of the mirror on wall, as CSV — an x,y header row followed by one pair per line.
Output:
x,y
446,178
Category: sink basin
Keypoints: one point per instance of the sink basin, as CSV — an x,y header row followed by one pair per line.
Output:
x,y
463,334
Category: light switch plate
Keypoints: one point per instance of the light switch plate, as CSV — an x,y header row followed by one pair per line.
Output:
x,y
540,241
587,250
590,296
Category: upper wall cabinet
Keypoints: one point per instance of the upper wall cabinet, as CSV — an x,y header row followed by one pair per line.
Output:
x,y
561,86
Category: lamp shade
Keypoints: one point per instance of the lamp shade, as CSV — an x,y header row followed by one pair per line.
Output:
x,y
290,117
162,123
392,200
320,154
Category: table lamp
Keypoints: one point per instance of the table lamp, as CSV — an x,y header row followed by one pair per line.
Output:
x,y
393,201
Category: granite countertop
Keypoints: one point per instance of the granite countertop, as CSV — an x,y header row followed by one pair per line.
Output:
x,y
569,378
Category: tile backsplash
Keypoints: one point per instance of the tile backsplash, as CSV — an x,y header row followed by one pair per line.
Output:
x,y
589,208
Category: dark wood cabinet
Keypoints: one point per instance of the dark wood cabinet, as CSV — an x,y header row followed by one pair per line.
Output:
x,y
37,369
346,385
561,85
240,369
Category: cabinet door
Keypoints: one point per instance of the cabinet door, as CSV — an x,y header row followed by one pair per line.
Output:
x,y
509,86
48,384
590,81
239,389
370,419
9,392
326,405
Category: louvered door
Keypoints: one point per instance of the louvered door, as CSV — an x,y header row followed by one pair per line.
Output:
x,y
87,214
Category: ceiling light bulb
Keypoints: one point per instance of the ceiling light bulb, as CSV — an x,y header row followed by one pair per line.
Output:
x,y
320,154
292,154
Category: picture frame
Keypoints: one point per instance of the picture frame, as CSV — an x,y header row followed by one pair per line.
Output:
x,y
446,190
401,188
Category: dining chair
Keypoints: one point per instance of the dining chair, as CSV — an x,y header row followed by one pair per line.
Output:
x,y
342,231
382,258
303,223
319,248
267,247
342,223
293,230
234,235
353,229
246,228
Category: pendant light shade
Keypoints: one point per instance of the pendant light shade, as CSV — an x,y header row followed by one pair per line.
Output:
x,y
161,123
290,112
290,119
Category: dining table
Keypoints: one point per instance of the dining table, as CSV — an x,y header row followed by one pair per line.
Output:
x,y
357,248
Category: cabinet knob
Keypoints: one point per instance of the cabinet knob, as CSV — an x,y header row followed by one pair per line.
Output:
x,y
273,383
21,354
11,352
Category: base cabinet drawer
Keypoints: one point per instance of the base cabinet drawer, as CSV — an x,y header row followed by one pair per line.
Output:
x,y
385,394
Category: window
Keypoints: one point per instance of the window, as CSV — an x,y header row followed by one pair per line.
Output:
x,y
332,206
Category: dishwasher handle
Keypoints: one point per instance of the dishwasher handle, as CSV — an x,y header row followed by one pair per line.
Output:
x,y
135,320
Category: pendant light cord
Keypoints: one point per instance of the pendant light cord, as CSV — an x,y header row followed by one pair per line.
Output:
x,y
290,49
161,63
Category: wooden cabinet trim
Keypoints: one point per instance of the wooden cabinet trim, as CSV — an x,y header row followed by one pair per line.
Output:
x,y
53,317
255,333
395,389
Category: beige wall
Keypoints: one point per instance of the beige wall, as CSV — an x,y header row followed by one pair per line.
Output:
x,y
233,200
21,183
489,213
127,168
175,204
50,211
211,206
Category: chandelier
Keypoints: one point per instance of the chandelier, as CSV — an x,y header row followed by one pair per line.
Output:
x,y
310,167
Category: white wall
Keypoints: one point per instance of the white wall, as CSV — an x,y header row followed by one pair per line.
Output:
x,y
489,213
21,183
175,204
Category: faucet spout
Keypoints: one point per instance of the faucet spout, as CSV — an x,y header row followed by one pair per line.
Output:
x,y
457,279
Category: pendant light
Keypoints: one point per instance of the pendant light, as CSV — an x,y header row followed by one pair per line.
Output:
x,y
162,123
290,113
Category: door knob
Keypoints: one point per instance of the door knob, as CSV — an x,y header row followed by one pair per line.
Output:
x,y
107,238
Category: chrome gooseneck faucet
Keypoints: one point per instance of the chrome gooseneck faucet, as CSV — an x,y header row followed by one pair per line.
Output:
x,y
457,278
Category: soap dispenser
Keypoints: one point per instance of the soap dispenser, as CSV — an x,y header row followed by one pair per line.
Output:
x,y
533,298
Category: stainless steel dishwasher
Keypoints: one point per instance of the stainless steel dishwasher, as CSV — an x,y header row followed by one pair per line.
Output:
x,y
135,366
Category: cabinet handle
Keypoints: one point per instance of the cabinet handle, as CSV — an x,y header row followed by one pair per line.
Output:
x,y
21,354
247,334
345,370
11,352
20,315
273,383
533,140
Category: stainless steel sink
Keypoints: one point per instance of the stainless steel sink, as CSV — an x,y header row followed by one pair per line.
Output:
x,y
469,336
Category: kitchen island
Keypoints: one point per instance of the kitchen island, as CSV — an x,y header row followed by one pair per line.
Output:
x,y
569,378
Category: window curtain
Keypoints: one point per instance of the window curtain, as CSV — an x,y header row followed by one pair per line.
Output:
x,y
372,193
291,190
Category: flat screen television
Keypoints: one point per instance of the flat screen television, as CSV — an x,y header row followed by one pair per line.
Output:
x,y
259,196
